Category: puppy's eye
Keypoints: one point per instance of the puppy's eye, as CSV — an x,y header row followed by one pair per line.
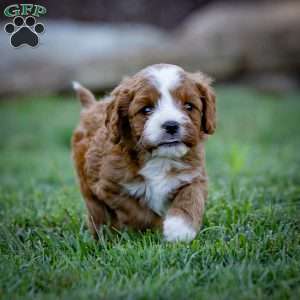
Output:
x,y
189,106
147,110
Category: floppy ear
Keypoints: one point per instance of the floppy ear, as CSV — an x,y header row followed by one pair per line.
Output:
x,y
86,98
208,99
117,114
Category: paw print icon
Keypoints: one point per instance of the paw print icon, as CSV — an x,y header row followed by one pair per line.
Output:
x,y
24,31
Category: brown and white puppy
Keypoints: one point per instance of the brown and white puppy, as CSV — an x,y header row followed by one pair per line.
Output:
x,y
139,153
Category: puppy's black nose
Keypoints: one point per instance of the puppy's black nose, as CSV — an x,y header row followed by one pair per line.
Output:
x,y
171,127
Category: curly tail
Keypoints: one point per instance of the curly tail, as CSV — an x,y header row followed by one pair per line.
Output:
x,y
87,99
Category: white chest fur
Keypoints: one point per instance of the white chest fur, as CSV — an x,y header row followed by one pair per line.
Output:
x,y
158,184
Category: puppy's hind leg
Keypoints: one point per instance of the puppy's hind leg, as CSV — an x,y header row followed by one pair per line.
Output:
x,y
99,214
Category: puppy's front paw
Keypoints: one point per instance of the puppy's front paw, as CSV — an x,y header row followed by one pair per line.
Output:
x,y
177,229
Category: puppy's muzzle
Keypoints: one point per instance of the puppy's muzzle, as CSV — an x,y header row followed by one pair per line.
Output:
x,y
171,134
171,127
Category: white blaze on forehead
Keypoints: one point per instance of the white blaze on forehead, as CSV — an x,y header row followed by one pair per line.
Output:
x,y
165,79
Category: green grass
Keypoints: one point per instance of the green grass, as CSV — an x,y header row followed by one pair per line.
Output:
x,y
248,248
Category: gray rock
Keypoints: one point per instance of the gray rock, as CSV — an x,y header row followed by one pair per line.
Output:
x,y
226,41
96,55
229,40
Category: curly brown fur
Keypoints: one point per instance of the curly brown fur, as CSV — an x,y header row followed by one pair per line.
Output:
x,y
119,163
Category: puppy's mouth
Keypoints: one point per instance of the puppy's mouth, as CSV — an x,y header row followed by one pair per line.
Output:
x,y
170,143
170,148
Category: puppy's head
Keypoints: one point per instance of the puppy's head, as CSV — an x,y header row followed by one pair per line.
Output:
x,y
163,110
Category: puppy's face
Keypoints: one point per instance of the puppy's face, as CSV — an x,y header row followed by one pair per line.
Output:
x,y
165,110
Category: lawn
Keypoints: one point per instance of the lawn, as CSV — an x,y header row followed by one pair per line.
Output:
x,y
248,247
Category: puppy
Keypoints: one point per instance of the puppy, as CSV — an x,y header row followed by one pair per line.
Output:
x,y
139,153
